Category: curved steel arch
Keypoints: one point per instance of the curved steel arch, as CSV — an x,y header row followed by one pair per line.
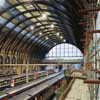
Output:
x,y
48,48
20,32
45,35
25,49
26,40
20,23
37,2
34,42
31,44
9,33
21,13
26,20
31,41
52,5
12,19
49,20
15,26
30,2
15,16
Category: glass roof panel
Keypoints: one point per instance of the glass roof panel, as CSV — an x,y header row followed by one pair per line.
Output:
x,y
15,21
33,20
12,1
6,15
38,24
21,25
36,13
44,22
41,18
42,6
28,15
29,6
20,8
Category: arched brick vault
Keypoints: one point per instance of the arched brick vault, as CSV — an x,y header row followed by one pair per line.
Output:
x,y
17,16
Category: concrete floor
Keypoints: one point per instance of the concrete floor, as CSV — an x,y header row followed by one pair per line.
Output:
x,y
79,91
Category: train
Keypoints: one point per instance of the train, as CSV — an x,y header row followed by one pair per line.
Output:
x,y
16,80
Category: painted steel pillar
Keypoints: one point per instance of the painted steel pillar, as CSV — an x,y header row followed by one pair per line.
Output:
x,y
27,74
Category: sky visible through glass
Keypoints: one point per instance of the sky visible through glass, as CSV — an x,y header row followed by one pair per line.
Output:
x,y
64,51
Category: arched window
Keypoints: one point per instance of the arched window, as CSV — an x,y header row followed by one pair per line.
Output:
x,y
64,51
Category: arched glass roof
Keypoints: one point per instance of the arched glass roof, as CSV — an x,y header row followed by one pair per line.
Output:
x,y
65,51
35,26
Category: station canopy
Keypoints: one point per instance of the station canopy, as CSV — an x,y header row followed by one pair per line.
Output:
x,y
36,26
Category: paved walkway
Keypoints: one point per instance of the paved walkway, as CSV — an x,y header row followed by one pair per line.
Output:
x,y
79,91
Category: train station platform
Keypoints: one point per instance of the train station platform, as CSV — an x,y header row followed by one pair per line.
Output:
x,y
28,90
33,91
41,41
79,91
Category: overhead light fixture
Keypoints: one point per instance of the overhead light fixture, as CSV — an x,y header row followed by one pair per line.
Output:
x,y
52,26
64,40
44,16
57,34
40,33
32,27
61,37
